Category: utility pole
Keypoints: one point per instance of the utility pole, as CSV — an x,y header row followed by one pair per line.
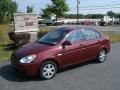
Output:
x,y
78,2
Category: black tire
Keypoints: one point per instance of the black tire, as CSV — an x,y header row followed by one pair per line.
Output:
x,y
48,67
102,56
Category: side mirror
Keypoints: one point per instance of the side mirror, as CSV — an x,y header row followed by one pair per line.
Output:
x,y
66,43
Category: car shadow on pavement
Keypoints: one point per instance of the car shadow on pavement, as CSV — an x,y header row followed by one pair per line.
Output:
x,y
76,66
9,74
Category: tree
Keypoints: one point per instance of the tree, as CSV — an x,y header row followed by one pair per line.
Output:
x,y
58,7
94,16
29,9
119,16
87,16
7,8
13,8
46,13
111,14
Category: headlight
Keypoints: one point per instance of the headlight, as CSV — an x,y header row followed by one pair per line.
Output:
x,y
28,59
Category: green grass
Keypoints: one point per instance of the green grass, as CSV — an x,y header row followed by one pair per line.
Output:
x,y
114,37
45,28
4,39
6,28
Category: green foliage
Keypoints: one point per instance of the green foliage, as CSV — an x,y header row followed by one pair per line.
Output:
x,y
4,41
7,8
22,38
46,13
92,16
88,16
44,30
58,7
73,16
41,33
114,37
29,9
111,14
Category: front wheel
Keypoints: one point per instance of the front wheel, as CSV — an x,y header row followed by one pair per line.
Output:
x,y
102,56
48,70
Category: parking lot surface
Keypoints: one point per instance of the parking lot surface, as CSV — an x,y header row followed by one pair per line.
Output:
x,y
87,76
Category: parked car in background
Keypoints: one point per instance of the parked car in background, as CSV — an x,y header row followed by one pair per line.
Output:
x,y
60,48
40,21
53,22
49,21
102,23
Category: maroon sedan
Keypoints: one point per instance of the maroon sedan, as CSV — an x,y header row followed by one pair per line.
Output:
x,y
60,48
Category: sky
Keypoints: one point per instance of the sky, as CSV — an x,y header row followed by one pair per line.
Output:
x,y
39,4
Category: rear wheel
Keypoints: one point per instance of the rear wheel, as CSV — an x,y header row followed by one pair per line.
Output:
x,y
48,70
102,56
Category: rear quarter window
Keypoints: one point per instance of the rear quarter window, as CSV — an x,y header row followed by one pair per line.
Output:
x,y
75,36
91,34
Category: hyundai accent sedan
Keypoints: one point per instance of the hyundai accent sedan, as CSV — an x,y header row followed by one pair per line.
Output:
x,y
60,48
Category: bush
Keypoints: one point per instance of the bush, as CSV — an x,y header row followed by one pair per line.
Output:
x,y
19,38
40,34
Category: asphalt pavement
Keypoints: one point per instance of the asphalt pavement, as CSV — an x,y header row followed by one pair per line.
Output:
x,y
100,28
87,76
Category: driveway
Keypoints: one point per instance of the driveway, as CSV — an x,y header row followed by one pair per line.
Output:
x,y
87,76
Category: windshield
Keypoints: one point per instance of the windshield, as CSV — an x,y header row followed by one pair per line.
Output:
x,y
53,37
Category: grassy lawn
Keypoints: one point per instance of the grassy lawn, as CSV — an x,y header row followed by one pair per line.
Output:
x,y
4,39
114,37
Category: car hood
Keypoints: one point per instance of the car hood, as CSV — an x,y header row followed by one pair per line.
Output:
x,y
32,48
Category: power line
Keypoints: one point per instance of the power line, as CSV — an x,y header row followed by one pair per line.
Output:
x,y
107,3
100,6
95,9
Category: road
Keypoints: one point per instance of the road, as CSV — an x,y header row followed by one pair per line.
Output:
x,y
100,28
87,76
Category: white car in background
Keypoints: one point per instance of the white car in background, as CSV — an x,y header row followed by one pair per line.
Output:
x,y
53,22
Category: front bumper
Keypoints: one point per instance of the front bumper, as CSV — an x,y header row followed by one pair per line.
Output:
x,y
26,69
